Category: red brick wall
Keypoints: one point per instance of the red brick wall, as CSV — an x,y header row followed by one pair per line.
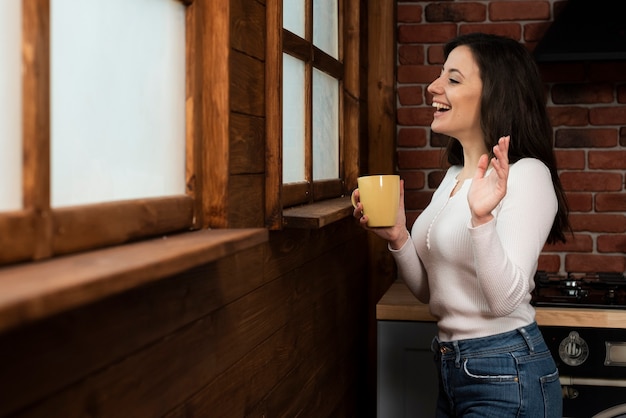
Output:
x,y
587,105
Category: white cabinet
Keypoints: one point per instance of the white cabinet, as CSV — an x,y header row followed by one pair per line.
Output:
x,y
407,378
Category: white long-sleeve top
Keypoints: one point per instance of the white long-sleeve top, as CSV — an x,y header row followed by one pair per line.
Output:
x,y
478,280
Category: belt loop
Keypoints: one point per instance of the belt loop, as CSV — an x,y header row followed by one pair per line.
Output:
x,y
457,354
434,345
527,338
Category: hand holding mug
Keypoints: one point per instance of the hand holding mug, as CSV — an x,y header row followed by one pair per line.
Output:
x,y
379,206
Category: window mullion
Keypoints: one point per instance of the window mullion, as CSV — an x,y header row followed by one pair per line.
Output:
x,y
36,121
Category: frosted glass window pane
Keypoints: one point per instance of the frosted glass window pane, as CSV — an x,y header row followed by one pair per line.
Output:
x,y
117,100
10,105
293,16
293,119
325,126
326,26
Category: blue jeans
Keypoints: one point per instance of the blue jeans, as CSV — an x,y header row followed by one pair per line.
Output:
x,y
506,375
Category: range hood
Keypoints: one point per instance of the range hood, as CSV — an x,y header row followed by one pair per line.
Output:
x,y
585,30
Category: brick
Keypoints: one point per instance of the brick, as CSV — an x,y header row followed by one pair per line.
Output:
x,y
558,7
598,223
549,262
579,202
607,71
585,181
412,137
410,95
622,136
562,72
621,93
410,54
534,32
582,93
435,178
568,116
411,216
607,160
584,263
417,73
415,116
435,54
611,202
455,12
612,243
608,115
438,140
570,160
512,30
419,159
409,13
519,10
585,138
417,199
580,243
413,180
434,33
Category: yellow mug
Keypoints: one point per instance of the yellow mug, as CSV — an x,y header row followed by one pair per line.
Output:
x,y
380,196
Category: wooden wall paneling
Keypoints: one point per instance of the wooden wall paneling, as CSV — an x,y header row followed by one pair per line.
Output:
x,y
273,110
213,19
246,201
240,388
247,84
49,355
381,151
248,27
293,247
247,145
329,287
36,120
352,92
141,383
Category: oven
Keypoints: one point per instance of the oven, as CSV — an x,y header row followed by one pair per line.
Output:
x,y
591,361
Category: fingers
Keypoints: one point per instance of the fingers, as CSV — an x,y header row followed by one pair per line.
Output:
x,y
481,168
500,161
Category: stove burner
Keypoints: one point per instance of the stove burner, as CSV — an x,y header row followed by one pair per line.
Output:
x,y
591,290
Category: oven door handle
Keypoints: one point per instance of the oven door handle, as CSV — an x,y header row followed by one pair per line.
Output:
x,y
590,381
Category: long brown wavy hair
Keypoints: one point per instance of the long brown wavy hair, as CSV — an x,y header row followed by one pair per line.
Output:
x,y
513,102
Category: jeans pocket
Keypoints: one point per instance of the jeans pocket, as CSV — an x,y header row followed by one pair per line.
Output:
x,y
500,368
552,395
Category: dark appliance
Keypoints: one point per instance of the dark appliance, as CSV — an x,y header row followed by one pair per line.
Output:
x,y
591,361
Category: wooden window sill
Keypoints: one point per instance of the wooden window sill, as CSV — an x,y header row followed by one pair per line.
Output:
x,y
317,215
33,291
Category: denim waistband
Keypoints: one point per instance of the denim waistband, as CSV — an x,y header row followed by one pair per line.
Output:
x,y
528,336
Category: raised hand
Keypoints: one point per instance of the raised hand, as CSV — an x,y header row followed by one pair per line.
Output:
x,y
486,192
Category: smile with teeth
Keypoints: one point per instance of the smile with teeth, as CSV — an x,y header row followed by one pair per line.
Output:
x,y
440,106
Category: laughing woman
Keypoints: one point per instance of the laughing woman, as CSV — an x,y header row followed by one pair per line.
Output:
x,y
473,252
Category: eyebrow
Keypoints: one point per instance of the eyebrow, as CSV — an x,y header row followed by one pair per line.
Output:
x,y
454,70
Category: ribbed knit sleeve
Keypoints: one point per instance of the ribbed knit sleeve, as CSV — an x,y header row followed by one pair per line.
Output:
x,y
411,270
506,249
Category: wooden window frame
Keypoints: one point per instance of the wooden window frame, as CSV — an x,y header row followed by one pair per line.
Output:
x,y
38,231
279,40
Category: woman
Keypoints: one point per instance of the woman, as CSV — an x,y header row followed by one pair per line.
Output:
x,y
473,251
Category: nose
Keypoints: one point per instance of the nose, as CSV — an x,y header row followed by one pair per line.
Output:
x,y
434,87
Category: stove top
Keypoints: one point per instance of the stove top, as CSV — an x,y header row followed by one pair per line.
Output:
x,y
580,290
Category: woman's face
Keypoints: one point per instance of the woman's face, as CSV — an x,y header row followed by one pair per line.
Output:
x,y
456,97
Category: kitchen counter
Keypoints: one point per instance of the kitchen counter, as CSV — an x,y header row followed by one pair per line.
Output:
x,y
399,304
